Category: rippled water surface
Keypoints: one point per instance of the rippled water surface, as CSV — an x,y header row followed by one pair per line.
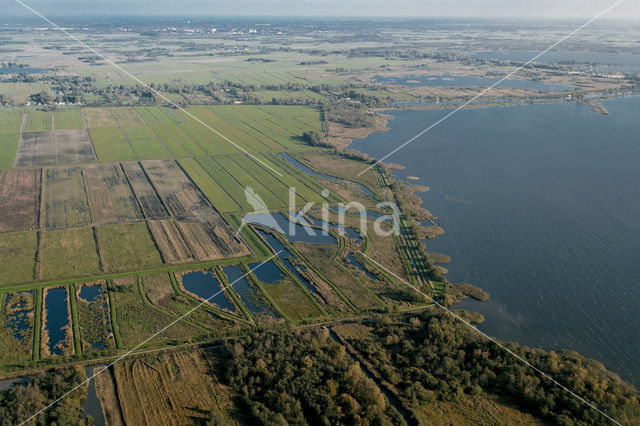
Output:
x,y
541,208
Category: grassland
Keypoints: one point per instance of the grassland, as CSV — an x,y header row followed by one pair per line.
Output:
x,y
8,149
216,195
137,321
93,316
160,291
69,119
16,327
320,257
111,145
38,121
127,247
291,300
69,253
17,257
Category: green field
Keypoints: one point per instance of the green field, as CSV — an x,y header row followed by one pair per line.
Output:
x,y
137,321
69,119
127,247
37,120
8,148
111,145
216,195
17,256
69,253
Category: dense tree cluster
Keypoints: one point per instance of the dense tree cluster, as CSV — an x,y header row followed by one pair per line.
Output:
x,y
303,377
432,357
24,400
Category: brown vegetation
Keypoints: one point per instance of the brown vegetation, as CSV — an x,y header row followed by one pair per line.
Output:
x,y
19,199
54,147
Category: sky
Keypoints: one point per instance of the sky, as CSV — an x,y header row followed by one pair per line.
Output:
x,y
332,8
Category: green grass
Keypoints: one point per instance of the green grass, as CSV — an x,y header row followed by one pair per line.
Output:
x,y
214,192
291,300
177,141
111,145
37,120
247,181
265,176
159,291
137,321
69,119
320,257
69,253
17,256
144,142
127,247
8,148
10,120
225,180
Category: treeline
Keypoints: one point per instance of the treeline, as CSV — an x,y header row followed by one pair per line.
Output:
x,y
20,402
303,377
432,356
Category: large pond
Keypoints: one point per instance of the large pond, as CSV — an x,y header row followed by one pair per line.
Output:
x,y
540,206
293,231
56,318
206,286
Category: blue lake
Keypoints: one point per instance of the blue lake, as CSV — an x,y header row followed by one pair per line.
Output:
x,y
540,207
57,318
467,81
204,284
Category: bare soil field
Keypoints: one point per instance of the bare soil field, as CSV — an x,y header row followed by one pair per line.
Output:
x,y
185,241
19,199
54,147
150,202
65,199
183,199
110,197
